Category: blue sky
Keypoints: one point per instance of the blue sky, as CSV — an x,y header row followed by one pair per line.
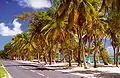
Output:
x,y
10,26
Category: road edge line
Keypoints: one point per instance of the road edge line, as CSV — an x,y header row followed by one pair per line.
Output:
x,y
9,76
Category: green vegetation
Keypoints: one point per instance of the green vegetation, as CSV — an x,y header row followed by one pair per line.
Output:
x,y
71,29
1,54
3,73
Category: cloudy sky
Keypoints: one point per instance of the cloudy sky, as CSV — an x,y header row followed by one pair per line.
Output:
x,y
9,26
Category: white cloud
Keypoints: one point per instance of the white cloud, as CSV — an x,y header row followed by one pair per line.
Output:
x,y
6,31
35,4
109,47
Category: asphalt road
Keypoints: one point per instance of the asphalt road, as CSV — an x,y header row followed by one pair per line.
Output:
x,y
21,70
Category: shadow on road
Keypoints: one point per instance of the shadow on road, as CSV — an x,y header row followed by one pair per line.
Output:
x,y
97,74
20,65
42,68
30,67
51,68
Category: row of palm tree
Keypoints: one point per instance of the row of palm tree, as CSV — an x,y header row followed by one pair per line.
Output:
x,y
74,29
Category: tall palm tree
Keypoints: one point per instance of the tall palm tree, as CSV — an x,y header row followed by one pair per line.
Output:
x,y
75,14
37,21
112,9
21,43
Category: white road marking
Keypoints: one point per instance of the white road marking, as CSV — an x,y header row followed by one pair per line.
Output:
x,y
35,72
32,70
39,73
84,75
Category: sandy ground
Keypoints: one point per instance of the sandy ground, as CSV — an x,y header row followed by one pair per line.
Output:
x,y
109,71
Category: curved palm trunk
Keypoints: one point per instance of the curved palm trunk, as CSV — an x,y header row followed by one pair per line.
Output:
x,y
82,49
79,59
101,54
70,60
38,57
94,55
45,60
114,55
72,56
22,57
50,58
57,50
79,52
44,56
89,51
84,60
105,63
117,63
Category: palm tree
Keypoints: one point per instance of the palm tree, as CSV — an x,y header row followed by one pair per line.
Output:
x,y
37,21
7,51
21,43
113,21
72,17
73,12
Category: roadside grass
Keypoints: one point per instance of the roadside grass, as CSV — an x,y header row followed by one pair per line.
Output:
x,y
3,73
0,58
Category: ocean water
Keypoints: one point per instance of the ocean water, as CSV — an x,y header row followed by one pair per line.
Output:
x,y
113,58
91,59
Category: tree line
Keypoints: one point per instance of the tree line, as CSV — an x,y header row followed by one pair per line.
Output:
x,y
71,29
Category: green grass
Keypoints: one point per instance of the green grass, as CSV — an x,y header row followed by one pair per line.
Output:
x,y
0,58
3,73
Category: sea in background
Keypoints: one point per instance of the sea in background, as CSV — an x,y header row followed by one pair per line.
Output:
x,y
113,58
91,59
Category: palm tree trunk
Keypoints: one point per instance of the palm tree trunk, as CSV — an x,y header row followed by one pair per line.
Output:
x,y
38,57
57,50
45,59
117,63
89,42
105,63
72,56
79,59
70,60
94,55
50,58
84,60
114,55
79,52
101,54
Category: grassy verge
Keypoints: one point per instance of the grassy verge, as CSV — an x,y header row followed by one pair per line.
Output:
x,y
3,73
0,58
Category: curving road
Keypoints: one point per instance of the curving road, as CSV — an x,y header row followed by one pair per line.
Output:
x,y
21,70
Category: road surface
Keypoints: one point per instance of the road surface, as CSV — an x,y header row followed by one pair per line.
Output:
x,y
21,70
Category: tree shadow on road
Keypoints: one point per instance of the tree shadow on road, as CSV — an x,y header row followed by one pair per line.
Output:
x,y
97,74
20,65
30,67
40,68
